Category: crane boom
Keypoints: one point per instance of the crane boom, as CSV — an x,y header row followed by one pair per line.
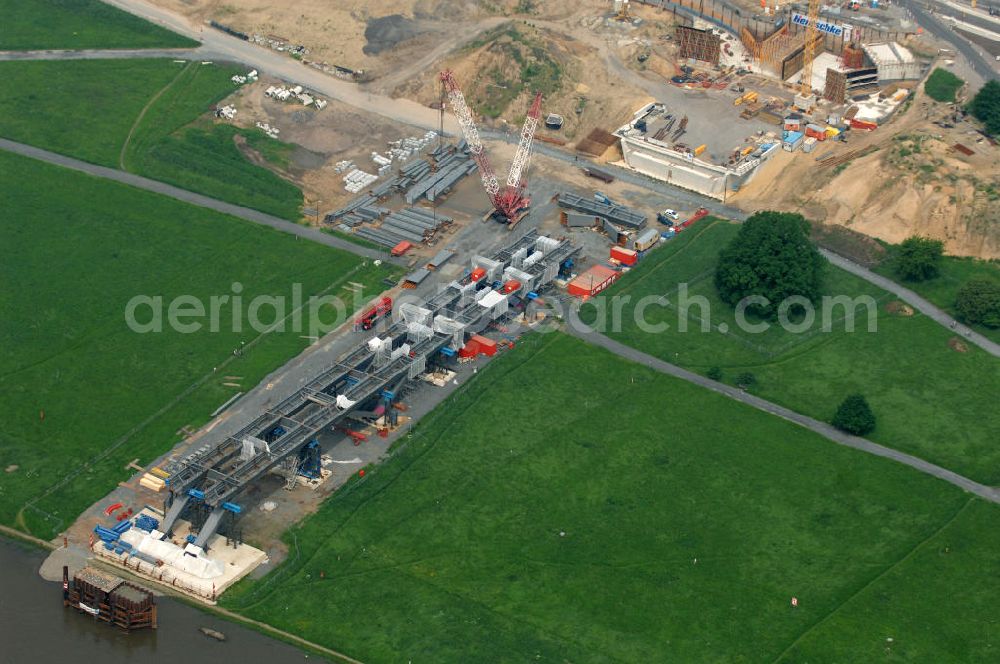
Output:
x,y
509,202
809,49
523,153
471,133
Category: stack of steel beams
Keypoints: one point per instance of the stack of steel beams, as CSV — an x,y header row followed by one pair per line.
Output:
x,y
616,214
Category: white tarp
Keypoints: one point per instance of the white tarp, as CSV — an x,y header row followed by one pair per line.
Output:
x,y
491,299
169,553
343,402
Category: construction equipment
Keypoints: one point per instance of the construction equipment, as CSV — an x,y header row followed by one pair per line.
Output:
x,y
367,319
748,98
809,50
621,10
511,201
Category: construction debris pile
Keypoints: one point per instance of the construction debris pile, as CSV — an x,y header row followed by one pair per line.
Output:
x,y
281,93
278,44
227,112
272,132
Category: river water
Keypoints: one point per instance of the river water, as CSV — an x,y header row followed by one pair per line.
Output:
x,y
35,628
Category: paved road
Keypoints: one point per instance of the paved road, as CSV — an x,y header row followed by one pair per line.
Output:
x,y
978,18
979,63
827,431
190,197
914,300
97,54
217,45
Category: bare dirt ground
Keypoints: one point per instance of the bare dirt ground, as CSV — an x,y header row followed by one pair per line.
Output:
x,y
338,132
916,183
588,66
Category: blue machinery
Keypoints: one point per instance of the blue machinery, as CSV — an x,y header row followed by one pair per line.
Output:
x,y
216,473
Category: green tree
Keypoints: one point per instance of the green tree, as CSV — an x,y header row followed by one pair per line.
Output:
x,y
746,380
771,257
917,258
855,416
985,106
715,373
978,302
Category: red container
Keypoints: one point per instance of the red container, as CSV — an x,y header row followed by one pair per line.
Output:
x,y
816,133
512,286
478,274
863,124
470,349
592,281
486,346
401,248
624,256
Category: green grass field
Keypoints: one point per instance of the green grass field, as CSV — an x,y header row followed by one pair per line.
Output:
x,y
943,289
942,85
929,399
77,249
568,506
147,117
78,24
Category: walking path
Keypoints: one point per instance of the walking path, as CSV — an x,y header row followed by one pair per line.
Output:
x,y
191,197
98,54
822,428
914,300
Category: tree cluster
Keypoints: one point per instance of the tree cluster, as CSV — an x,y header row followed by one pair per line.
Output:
x,y
771,257
918,258
985,107
978,303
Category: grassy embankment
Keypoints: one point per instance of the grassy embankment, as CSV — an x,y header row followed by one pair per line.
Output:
x,y
77,250
567,505
943,289
79,24
930,400
148,117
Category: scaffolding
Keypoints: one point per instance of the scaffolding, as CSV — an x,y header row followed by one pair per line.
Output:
x,y
698,44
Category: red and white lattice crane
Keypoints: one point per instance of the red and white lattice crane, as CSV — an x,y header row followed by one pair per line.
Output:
x,y
512,199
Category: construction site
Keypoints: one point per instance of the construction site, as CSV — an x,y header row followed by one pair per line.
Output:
x,y
716,105
486,252
720,89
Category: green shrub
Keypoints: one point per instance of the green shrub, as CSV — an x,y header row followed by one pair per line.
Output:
x,y
978,302
855,416
918,258
942,85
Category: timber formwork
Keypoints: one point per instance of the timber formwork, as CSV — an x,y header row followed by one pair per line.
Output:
x,y
218,472
781,52
701,45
